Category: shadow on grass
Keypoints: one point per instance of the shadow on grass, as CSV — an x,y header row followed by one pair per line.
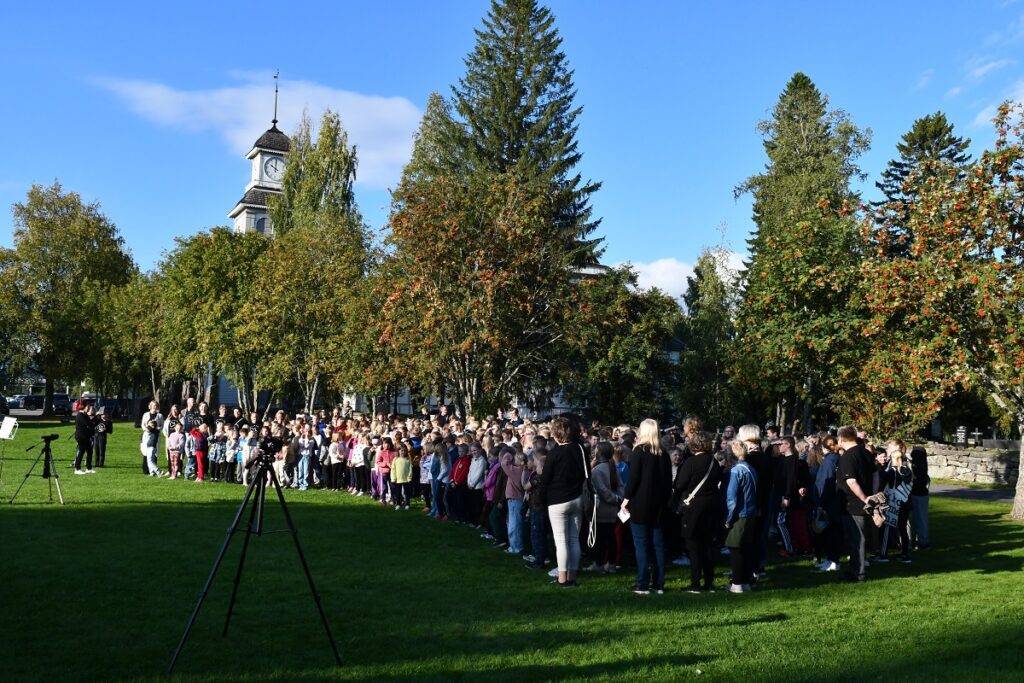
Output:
x,y
407,599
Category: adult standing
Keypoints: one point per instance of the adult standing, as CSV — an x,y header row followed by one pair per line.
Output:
x,y
697,482
103,426
741,519
826,499
646,501
856,467
172,421
763,464
609,496
84,432
154,414
566,470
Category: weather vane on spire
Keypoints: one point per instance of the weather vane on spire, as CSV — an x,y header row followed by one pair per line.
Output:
x,y
276,74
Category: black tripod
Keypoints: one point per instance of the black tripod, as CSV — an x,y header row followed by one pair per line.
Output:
x,y
49,469
264,472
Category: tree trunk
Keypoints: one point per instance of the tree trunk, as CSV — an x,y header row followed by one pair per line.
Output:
x,y
48,397
1018,498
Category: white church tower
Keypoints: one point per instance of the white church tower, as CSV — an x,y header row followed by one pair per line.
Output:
x,y
268,156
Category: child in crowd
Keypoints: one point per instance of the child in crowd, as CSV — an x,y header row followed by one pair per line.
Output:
x,y
475,485
175,446
150,442
218,452
385,456
459,478
201,446
336,455
401,478
538,512
426,463
360,455
513,463
231,455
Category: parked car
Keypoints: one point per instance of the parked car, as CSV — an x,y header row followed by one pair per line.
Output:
x,y
32,403
61,404
15,401
82,402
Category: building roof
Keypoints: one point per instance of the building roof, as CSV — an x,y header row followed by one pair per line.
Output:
x,y
273,140
255,197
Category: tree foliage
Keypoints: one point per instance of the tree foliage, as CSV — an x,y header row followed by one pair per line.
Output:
x,y
620,361
306,280
708,336
475,291
204,284
797,285
930,139
950,313
516,115
65,251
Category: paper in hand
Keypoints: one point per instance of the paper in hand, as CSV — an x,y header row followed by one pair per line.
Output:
x,y
623,515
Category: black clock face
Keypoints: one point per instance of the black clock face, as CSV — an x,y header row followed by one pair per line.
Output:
x,y
274,168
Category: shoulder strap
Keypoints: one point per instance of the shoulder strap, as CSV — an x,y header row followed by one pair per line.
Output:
x,y
689,498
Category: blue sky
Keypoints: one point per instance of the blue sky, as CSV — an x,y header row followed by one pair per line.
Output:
x,y
149,108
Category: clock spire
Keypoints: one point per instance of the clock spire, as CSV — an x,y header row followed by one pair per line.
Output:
x,y
276,74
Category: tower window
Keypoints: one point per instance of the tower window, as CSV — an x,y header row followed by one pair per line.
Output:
x,y
261,225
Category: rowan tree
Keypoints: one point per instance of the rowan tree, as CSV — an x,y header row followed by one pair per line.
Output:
x,y
950,313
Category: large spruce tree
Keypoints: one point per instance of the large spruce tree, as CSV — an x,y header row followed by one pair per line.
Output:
x,y
794,307
926,149
516,114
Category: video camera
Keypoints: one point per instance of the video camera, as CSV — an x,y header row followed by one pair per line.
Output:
x,y
50,437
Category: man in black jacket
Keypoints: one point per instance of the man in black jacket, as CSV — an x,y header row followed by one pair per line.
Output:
x,y
853,485
84,431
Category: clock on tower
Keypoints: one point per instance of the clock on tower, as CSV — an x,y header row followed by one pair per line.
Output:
x,y
268,157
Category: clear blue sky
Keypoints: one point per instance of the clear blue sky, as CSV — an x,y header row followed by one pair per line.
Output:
x,y
149,108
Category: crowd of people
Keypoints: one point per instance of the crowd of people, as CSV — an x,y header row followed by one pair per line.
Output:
x,y
602,497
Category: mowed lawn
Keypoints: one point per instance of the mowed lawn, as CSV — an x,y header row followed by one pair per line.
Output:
x,y
101,589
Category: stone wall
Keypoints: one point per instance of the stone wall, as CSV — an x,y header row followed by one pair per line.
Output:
x,y
980,465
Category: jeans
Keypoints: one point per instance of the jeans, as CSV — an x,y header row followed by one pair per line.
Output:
x,y
437,491
302,476
539,535
919,510
151,459
190,464
648,538
515,525
853,530
565,527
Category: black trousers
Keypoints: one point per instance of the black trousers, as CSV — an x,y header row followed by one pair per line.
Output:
x,y
742,561
702,562
100,445
853,531
337,475
84,448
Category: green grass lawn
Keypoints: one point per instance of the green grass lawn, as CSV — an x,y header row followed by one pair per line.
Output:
x,y
101,589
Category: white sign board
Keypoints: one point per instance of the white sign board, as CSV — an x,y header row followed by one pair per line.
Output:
x,y
8,428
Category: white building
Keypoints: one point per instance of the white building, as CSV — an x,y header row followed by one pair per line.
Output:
x,y
268,157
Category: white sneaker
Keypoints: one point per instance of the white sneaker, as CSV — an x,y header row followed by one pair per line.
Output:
x,y
821,565
735,588
553,573
397,508
530,558
79,471
90,471
830,567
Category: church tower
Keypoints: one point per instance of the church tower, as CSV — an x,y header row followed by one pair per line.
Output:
x,y
268,156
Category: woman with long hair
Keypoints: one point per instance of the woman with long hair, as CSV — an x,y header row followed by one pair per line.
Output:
x,y
646,501
899,481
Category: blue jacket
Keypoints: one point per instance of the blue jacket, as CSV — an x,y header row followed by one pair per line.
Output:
x,y
741,494
825,485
